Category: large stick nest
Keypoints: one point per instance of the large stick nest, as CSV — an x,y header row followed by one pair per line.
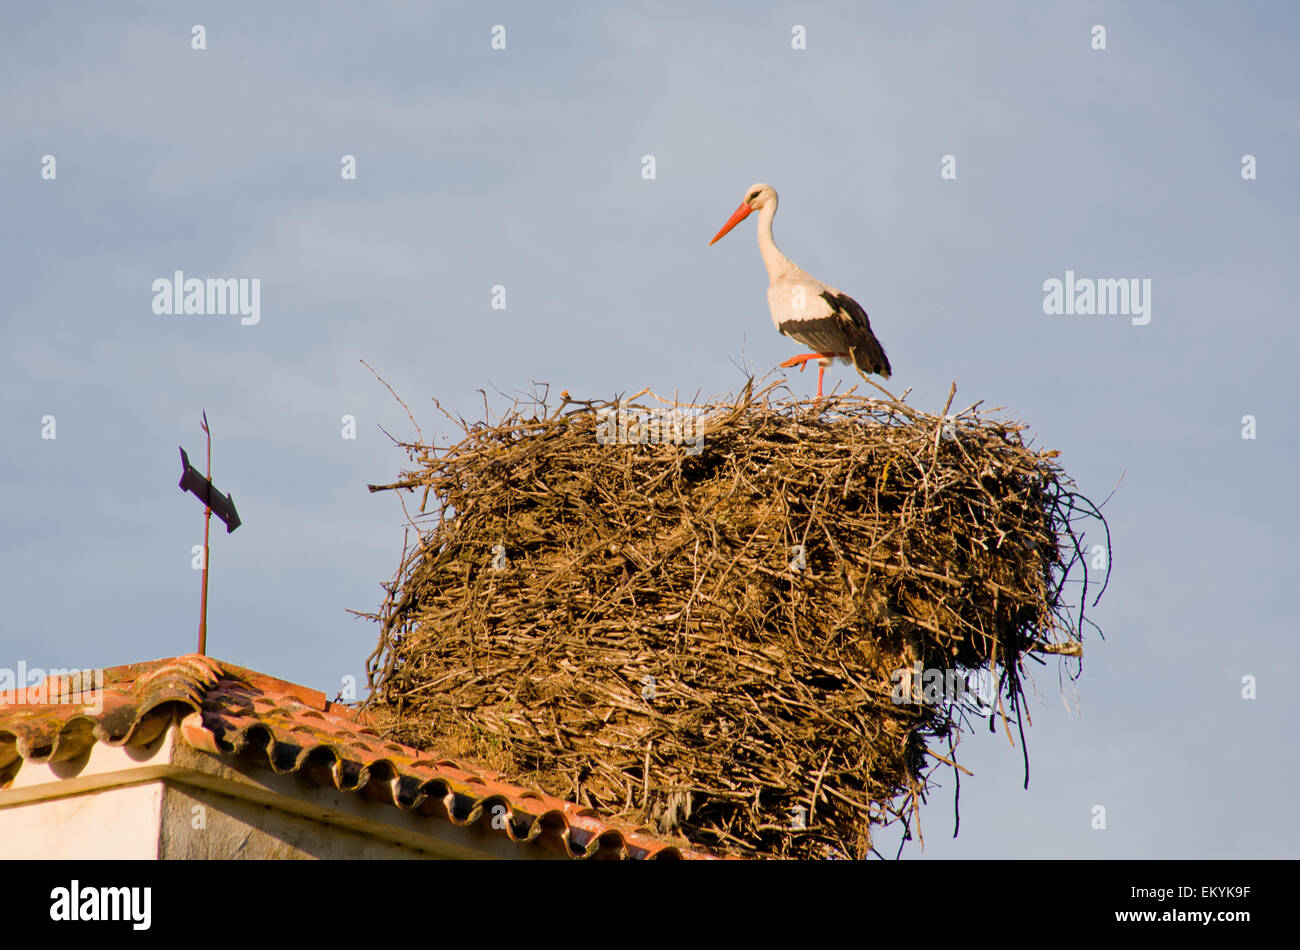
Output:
x,y
714,643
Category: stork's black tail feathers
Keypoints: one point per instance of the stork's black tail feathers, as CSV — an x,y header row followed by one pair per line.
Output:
x,y
869,356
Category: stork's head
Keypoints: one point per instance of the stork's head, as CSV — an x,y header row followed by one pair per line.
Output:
x,y
757,197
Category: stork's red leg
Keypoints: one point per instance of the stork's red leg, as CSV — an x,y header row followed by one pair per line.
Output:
x,y
802,359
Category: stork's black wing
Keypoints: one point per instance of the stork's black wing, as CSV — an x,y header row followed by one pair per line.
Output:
x,y
868,355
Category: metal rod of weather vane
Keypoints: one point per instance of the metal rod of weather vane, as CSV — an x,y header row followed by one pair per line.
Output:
x,y
214,503
207,520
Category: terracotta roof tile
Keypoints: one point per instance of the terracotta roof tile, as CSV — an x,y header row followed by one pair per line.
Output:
x,y
228,710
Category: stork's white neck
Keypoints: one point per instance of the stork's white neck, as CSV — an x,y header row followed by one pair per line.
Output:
x,y
775,262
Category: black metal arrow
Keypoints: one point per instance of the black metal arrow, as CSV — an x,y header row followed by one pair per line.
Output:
x,y
223,506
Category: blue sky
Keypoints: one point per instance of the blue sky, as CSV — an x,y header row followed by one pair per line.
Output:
x,y
523,168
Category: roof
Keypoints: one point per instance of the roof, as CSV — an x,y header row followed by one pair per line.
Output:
x,y
227,710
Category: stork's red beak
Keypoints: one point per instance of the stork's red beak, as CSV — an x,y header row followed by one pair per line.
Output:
x,y
741,214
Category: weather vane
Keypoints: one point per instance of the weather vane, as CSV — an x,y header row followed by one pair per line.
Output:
x,y
213,500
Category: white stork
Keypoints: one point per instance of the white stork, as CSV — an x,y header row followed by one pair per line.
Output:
x,y
817,315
